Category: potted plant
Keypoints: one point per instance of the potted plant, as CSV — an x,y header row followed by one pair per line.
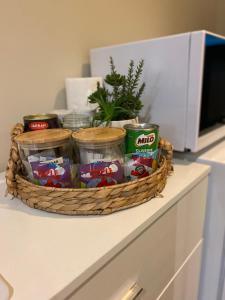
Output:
x,y
118,99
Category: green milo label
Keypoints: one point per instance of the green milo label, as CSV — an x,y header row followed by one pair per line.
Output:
x,y
143,140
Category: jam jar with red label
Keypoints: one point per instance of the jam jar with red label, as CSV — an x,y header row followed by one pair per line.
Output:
x,y
40,122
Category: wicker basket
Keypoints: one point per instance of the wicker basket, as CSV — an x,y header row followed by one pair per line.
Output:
x,y
94,201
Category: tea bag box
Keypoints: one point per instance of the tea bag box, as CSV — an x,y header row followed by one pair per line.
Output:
x,y
184,79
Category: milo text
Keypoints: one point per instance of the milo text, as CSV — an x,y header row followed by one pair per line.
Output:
x,y
145,139
141,140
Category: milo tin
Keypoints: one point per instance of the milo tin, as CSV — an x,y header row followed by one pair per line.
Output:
x,y
141,150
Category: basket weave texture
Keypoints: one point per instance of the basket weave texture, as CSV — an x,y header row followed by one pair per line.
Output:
x,y
89,201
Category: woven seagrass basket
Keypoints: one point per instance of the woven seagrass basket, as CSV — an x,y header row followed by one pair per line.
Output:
x,y
90,201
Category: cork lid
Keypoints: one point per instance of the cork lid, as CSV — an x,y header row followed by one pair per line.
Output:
x,y
43,136
99,135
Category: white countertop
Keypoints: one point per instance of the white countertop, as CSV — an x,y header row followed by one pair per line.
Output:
x,y
44,254
214,154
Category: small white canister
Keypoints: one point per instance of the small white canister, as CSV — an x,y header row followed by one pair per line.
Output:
x,y
77,92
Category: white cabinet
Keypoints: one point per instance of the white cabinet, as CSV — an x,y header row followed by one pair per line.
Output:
x,y
167,251
156,245
213,266
184,285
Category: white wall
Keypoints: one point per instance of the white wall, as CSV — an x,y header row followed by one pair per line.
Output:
x,y
220,17
44,41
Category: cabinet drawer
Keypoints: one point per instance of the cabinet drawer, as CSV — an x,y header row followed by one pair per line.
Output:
x,y
154,256
185,283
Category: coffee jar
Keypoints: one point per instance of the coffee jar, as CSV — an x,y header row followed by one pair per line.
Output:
x,y
40,122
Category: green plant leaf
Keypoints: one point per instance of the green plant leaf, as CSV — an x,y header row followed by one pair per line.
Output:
x,y
122,101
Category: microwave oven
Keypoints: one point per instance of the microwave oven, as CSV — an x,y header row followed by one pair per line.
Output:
x,y
185,84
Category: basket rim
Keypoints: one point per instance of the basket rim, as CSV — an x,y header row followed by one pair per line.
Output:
x,y
86,201
163,161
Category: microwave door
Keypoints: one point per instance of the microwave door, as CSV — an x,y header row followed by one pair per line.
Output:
x,y
196,65
206,101
213,92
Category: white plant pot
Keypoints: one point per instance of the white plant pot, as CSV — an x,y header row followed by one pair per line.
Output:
x,y
118,124
121,123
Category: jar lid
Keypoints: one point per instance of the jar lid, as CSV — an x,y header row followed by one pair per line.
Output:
x,y
40,117
43,136
99,135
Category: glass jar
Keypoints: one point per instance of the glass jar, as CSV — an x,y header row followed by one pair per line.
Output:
x,y
61,113
100,153
76,121
47,157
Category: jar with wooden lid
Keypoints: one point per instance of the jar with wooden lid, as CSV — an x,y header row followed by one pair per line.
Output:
x,y
47,157
100,154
